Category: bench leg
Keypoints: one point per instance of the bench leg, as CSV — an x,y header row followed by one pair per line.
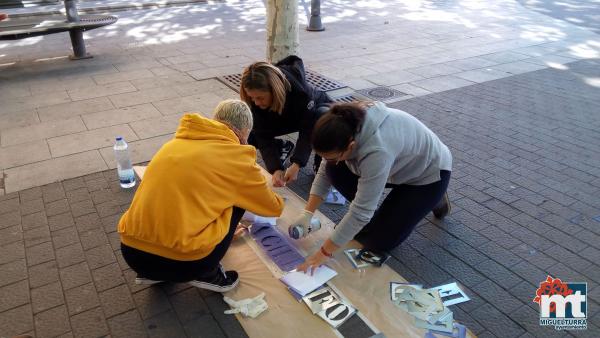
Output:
x,y
78,44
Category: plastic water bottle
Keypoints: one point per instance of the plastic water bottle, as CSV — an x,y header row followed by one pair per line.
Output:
x,y
297,231
124,167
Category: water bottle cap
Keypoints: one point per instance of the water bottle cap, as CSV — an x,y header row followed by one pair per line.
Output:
x,y
119,138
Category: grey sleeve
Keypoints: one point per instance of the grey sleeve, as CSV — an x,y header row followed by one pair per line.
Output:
x,y
321,183
375,170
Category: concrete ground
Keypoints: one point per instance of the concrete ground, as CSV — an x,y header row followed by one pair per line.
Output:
x,y
502,85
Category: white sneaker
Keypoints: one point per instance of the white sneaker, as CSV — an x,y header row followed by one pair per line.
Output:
x,y
146,281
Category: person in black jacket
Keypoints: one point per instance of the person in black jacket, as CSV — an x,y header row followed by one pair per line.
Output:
x,y
282,102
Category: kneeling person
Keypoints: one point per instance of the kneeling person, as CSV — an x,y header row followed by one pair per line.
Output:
x,y
195,190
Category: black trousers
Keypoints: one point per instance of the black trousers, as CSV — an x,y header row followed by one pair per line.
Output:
x,y
402,209
156,267
269,145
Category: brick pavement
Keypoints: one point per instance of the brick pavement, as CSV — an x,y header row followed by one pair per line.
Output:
x,y
525,193
62,273
526,197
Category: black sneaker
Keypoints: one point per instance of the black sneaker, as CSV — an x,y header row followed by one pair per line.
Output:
x,y
443,208
223,281
286,150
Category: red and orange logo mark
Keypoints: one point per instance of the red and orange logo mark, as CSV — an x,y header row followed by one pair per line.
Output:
x,y
552,286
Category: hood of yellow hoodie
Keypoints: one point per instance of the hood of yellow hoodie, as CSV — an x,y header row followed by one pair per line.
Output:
x,y
197,127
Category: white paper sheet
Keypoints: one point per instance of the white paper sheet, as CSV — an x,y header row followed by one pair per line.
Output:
x,y
303,283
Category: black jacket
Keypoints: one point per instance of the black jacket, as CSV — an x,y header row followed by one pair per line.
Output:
x,y
300,113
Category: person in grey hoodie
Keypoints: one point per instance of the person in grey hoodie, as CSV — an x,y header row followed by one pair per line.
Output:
x,y
367,147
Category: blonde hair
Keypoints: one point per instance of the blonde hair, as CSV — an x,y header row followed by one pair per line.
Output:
x,y
234,113
265,77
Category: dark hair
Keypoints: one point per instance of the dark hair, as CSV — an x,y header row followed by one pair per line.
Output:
x,y
337,128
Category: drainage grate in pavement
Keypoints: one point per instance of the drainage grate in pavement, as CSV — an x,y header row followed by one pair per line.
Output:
x,y
319,81
381,93
233,81
346,98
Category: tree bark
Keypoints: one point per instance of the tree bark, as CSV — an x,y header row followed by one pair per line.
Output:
x,y
282,29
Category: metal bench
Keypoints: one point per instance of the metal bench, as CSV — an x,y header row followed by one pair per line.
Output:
x,y
25,27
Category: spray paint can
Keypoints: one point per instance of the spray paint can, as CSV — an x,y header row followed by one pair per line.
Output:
x,y
297,231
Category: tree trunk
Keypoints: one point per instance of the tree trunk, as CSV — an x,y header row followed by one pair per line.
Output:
x,y
282,29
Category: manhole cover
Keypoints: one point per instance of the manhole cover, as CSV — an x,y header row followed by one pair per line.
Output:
x,y
317,80
381,93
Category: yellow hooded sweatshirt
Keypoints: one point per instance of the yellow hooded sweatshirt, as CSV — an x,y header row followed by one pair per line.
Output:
x,y
183,207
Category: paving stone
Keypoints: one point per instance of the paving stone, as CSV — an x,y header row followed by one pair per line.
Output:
x,y
53,192
82,208
32,206
96,184
75,275
188,305
88,222
16,321
69,255
64,237
89,324
11,235
39,253
528,318
164,325
57,207
47,296
10,219
116,300
499,254
151,302
34,220
100,256
109,208
53,322
79,194
127,325
81,298
30,194
73,184
204,325
228,323
101,196
497,296
110,223
465,319
498,274
9,205
61,221
92,238
36,236
43,274
12,252
496,322
130,276
14,295
534,256
108,277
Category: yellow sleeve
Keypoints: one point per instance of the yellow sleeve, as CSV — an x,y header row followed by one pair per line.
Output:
x,y
255,195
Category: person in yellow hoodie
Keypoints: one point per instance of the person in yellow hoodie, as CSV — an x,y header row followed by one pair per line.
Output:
x,y
194,192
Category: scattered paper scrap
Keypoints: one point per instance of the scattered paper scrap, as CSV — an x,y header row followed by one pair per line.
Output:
x,y
249,307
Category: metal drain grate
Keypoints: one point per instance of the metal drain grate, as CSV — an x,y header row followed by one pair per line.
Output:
x,y
381,93
346,98
233,81
319,81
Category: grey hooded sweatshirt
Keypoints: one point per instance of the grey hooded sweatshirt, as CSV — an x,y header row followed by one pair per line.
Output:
x,y
392,147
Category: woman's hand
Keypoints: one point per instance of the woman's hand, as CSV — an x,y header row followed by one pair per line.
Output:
x,y
312,262
291,174
318,258
277,178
